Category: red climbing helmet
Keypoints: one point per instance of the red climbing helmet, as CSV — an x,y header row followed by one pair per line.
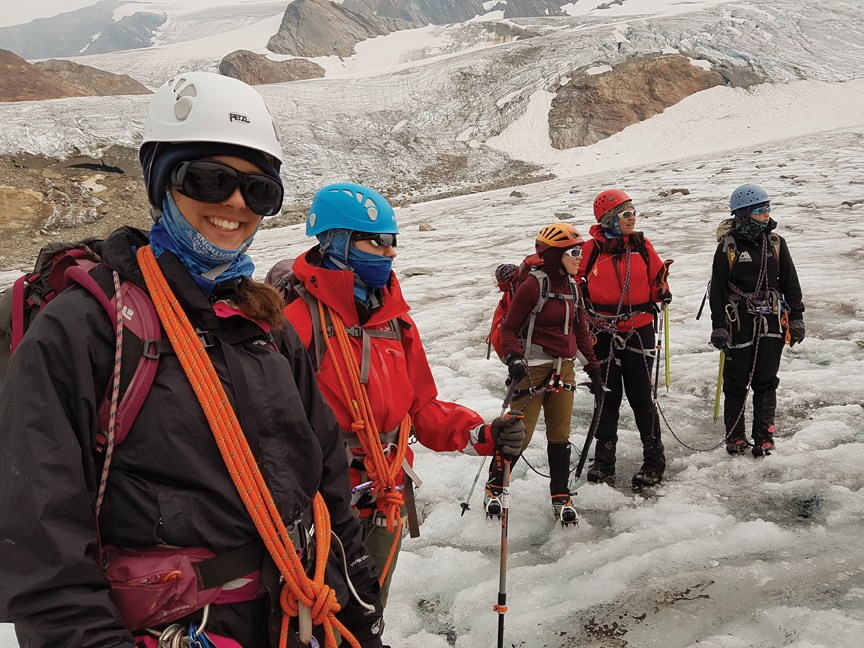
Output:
x,y
607,200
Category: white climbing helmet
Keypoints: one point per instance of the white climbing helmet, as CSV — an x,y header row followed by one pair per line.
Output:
x,y
208,107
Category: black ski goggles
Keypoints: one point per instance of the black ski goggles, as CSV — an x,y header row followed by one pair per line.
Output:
x,y
378,240
213,182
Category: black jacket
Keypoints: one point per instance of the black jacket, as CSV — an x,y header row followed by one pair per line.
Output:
x,y
744,275
168,483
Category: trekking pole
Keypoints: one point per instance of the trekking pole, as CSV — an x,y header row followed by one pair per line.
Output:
x,y
511,391
592,430
719,386
666,342
501,607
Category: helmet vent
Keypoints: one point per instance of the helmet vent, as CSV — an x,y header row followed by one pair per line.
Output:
x,y
312,219
371,209
182,108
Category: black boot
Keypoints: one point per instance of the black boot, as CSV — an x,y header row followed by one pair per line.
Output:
x,y
602,469
653,452
764,407
733,418
559,487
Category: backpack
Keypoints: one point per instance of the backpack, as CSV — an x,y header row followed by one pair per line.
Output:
x,y
529,267
61,265
282,278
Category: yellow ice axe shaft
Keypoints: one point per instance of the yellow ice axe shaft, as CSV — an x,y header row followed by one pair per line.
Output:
x,y
666,343
719,386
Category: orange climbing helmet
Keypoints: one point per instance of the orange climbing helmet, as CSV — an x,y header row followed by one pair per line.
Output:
x,y
560,235
607,200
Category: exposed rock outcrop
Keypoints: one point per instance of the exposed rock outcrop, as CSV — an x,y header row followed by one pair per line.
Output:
x,y
593,107
321,28
23,81
421,12
91,81
533,8
255,69
89,30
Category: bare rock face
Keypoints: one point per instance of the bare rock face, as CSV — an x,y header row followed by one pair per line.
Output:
x,y
593,107
533,8
21,81
322,28
255,69
90,81
421,12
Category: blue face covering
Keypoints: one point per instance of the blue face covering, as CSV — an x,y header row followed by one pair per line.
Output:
x,y
173,232
372,269
611,227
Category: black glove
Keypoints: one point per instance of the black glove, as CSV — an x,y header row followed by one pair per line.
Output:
x,y
517,367
597,383
796,332
720,338
508,433
664,295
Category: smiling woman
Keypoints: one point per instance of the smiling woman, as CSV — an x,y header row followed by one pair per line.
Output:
x,y
231,445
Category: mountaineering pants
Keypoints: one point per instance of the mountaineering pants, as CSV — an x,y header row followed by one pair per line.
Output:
x,y
557,412
557,407
628,370
378,542
736,372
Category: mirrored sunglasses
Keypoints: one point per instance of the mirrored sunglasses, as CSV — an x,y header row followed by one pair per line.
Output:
x,y
377,240
630,213
761,210
214,182
574,252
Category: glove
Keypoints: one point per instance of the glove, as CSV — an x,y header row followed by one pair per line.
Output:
x,y
796,332
720,338
508,433
597,383
664,295
517,367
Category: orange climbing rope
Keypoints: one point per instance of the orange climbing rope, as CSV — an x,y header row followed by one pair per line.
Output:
x,y
382,472
301,596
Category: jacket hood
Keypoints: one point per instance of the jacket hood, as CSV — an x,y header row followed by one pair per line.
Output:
x,y
336,289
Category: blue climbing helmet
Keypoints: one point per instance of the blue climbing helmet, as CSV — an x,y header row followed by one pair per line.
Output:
x,y
350,206
747,195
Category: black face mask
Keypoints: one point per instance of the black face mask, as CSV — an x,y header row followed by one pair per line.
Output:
x,y
750,227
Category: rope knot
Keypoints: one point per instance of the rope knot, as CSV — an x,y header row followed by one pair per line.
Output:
x,y
358,426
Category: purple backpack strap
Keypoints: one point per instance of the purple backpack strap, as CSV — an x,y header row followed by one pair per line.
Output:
x,y
140,319
17,312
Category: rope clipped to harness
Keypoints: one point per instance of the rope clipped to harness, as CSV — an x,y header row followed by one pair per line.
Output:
x,y
299,591
382,473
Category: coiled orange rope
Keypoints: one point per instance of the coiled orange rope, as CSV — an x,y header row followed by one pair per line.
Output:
x,y
381,471
299,590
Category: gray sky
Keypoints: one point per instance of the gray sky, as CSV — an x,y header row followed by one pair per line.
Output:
x,y
16,12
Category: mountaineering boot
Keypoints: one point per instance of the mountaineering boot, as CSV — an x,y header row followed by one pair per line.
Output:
x,y
733,419
602,469
492,496
564,511
764,406
737,446
559,468
646,480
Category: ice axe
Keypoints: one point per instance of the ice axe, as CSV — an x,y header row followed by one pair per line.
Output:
x,y
719,385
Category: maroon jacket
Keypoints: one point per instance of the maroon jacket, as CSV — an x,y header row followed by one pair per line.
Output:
x,y
549,323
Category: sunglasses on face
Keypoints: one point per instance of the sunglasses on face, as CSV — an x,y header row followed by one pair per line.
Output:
x,y
761,210
214,182
377,240
627,214
574,252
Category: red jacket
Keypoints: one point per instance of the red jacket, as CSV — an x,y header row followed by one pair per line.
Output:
x,y
400,380
549,322
607,275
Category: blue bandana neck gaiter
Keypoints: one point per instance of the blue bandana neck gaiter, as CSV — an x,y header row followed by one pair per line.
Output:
x,y
750,227
371,271
611,228
173,232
